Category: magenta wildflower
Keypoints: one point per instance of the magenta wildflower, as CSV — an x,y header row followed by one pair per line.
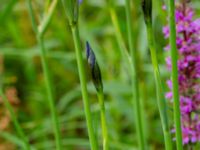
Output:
x,y
188,44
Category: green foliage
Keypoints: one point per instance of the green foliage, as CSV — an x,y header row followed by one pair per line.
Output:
x,y
22,70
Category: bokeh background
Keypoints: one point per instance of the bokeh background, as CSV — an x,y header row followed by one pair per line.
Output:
x,y
22,75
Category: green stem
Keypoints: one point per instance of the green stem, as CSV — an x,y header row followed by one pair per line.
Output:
x,y
175,86
135,82
40,40
54,115
103,121
15,121
43,26
123,50
31,14
82,76
159,90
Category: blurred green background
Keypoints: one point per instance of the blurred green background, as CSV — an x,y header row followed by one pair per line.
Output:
x,y
22,75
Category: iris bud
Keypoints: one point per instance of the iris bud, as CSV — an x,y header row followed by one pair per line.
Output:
x,y
94,68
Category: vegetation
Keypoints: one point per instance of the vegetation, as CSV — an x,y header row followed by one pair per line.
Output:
x,y
81,75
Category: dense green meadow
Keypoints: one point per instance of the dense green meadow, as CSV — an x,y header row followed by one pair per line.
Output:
x,y
37,94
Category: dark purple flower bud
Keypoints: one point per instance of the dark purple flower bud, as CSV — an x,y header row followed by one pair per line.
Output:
x,y
94,68
147,10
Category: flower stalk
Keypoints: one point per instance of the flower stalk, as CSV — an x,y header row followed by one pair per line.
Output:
x,y
175,86
54,114
103,120
187,46
96,77
147,10
71,9
39,31
135,82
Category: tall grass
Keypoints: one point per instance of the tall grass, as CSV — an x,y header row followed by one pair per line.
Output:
x,y
83,82
103,121
39,31
97,81
130,60
115,46
134,78
118,34
147,9
175,86
71,9
161,101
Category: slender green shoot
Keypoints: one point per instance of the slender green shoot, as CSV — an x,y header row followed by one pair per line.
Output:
x,y
162,105
31,14
18,128
83,82
71,8
135,82
40,33
159,90
43,26
175,86
103,120
97,81
123,50
54,114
